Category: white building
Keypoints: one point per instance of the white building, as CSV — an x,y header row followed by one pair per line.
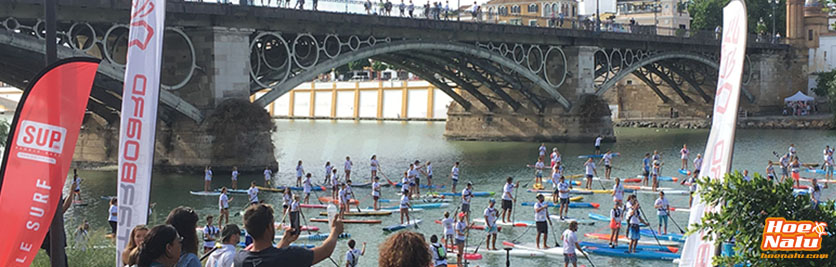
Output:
x,y
588,7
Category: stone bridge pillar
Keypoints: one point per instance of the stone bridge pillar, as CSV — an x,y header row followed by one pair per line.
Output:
x,y
580,62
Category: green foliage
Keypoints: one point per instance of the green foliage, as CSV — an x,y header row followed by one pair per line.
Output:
x,y
378,65
358,65
708,14
100,252
826,86
744,207
4,132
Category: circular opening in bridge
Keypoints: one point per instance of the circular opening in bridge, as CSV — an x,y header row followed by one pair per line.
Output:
x,y
555,66
270,59
331,46
178,58
305,51
11,24
354,42
518,54
82,36
273,52
535,58
115,44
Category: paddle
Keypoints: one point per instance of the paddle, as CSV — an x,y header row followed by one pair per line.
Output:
x,y
513,210
411,210
205,255
554,235
587,258
246,205
602,184
677,225
648,224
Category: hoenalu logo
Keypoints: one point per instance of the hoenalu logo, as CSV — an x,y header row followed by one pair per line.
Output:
x,y
40,142
782,235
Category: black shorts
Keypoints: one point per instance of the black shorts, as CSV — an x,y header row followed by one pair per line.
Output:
x,y
112,227
376,197
417,181
76,190
697,171
646,173
608,167
465,207
542,227
429,177
564,201
506,204
597,147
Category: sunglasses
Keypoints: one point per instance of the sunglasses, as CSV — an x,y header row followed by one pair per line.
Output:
x,y
179,239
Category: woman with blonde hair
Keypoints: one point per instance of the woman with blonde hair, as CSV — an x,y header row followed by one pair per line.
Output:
x,y
131,252
404,249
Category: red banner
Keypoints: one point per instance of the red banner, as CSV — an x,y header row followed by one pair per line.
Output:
x,y
38,154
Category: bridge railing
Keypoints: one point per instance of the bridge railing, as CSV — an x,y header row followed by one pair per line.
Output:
x,y
423,11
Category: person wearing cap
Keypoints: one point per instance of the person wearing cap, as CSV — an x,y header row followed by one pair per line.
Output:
x,y
349,194
224,255
490,224
467,194
376,192
507,198
541,213
662,209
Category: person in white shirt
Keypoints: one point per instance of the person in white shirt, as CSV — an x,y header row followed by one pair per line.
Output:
x,y
598,144
347,168
683,154
223,256
662,209
654,172
828,166
570,243
542,150
343,200
538,172
792,151
746,176
287,199
554,157
490,224
353,255
376,192
449,232
373,166
815,192
634,218
438,252
300,171
607,160
557,172
454,175
76,185
349,194
616,216
252,193
508,199
697,165
295,224
223,205
467,194
412,175
210,234
207,174
235,177
562,192
112,218
307,187
692,186
617,191
785,162
541,214
770,171
268,176
328,169
335,184
461,235
589,167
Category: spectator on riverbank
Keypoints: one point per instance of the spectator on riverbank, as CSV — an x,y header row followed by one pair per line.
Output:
x,y
259,220
224,255
130,255
162,247
404,249
184,219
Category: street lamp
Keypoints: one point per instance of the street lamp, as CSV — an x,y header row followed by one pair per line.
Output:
x,y
597,17
774,4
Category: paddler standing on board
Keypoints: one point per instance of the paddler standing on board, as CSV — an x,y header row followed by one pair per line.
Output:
x,y
815,192
589,166
508,198
785,165
373,165
554,157
349,193
617,191
538,173
461,230
646,168
828,166
252,193
563,192
490,224
307,187
454,176
404,205
683,154
411,175
598,144
795,168
557,173
268,176
697,166
540,217
467,194
335,184
657,168
376,192
542,150
607,160
343,200
634,218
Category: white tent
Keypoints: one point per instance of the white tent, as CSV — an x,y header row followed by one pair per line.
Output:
x,y
798,96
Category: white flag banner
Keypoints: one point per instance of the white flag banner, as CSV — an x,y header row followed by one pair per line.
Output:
x,y
139,117
718,150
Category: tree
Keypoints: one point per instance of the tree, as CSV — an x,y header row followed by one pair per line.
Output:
x,y
4,132
708,14
744,207
378,65
826,87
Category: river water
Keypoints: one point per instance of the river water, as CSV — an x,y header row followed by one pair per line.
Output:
x,y
486,164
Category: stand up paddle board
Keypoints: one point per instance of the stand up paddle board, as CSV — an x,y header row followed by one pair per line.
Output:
x,y
397,227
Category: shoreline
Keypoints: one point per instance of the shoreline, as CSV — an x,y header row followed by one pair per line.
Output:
x,y
815,122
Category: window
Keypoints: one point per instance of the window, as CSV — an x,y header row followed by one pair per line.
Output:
x,y
533,8
810,35
503,10
547,10
515,21
532,22
515,9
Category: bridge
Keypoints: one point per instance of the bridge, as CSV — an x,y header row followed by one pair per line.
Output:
x,y
507,82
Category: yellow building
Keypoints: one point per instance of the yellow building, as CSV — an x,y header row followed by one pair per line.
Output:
x,y
668,15
542,13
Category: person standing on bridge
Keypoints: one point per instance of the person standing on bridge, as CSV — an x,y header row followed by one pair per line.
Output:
x,y
300,4
315,2
401,7
286,3
368,6
411,9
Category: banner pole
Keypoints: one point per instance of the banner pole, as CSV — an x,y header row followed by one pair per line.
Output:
x,y
57,255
